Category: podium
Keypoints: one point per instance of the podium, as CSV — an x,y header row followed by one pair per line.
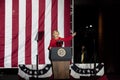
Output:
x,y
61,57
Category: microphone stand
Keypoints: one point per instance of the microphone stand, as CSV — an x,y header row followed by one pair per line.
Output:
x,y
38,37
37,64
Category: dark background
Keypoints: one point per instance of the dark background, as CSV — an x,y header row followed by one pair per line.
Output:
x,y
86,13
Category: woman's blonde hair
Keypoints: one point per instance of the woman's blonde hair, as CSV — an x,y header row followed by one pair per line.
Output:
x,y
55,31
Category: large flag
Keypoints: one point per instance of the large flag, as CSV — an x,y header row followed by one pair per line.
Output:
x,y
21,20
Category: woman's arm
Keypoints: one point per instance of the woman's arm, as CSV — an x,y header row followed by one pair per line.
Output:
x,y
69,37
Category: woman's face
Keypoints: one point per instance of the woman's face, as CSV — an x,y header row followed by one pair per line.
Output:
x,y
56,34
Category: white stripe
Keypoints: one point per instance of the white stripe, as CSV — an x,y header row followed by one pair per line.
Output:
x,y
61,17
22,22
47,29
8,33
34,29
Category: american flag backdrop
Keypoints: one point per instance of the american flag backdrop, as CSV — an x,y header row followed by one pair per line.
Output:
x,y
21,20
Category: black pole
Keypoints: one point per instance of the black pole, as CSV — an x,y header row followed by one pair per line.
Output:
x,y
38,37
94,57
37,64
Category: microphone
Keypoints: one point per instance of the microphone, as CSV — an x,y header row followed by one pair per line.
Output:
x,y
59,43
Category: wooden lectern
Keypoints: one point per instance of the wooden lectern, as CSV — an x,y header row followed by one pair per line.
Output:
x,y
61,57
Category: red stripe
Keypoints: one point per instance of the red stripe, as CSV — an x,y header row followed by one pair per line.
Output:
x,y
67,20
54,15
15,27
41,49
28,32
2,31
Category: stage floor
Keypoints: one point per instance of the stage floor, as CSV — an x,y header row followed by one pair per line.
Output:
x,y
16,77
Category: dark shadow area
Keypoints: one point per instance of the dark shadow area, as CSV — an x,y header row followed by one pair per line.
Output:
x,y
86,23
8,74
111,16
85,14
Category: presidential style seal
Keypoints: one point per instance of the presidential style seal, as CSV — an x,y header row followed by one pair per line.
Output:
x,y
61,52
